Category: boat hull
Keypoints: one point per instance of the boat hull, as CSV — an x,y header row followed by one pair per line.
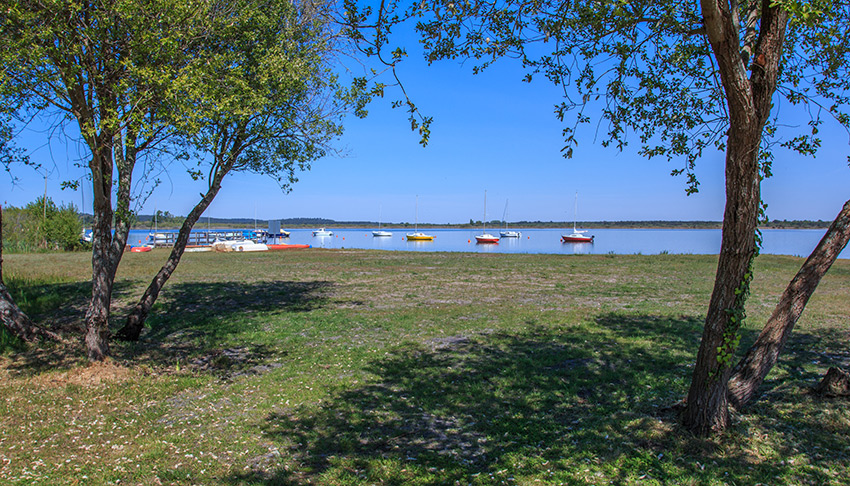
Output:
x,y
420,237
140,249
487,239
379,233
510,234
576,239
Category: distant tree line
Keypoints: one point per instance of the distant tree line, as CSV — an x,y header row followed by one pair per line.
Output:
x,y
166,219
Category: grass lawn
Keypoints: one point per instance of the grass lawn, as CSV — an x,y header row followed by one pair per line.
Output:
x,y
355,367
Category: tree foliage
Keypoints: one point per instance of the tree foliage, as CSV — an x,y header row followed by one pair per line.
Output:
x,y
241,86
276,107
643,70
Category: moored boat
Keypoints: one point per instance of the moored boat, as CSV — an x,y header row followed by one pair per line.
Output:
x,y
379,232
577,236
418,235
323,232
485,237
506,233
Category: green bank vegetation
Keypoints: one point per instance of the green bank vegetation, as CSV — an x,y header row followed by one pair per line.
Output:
x,y
41,225
344,367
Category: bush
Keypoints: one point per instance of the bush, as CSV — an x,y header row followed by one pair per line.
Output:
x,y
41,225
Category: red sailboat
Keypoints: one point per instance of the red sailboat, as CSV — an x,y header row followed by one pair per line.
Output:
x,y
577,236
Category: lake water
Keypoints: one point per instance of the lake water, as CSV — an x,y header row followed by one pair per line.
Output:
x,y
616,241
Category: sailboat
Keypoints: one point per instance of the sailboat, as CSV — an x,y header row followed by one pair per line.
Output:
x,y
506,233
486,237
577,236
379,232
156,238
417,235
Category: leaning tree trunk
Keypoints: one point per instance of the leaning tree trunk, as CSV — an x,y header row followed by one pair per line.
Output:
x,y
136,319
751,371
14,319
749,101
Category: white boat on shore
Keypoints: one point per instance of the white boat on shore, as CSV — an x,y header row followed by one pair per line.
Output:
x,y
239,245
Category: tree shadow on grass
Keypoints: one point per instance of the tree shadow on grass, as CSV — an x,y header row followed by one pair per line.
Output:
x,y
192,320
58,307
542,404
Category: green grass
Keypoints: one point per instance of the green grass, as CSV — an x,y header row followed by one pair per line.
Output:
x,y
363,367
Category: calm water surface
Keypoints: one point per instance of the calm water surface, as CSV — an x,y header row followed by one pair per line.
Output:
x,y
616,241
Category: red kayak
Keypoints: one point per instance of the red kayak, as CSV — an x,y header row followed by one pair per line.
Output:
x,y
286,247
140,249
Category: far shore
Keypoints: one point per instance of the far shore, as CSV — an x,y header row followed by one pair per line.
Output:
x,y
241,224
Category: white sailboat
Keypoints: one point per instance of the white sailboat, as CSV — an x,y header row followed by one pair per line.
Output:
x,y
486,237
506,233
379,232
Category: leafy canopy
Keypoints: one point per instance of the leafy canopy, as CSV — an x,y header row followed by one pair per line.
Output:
x,y
645,67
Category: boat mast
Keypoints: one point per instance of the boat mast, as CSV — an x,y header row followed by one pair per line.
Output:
x,y
575,214
416,216
484,221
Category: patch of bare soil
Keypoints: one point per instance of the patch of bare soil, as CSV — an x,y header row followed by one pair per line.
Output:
x,y
90,375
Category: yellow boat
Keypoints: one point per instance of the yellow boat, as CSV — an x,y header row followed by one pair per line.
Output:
x,y
419,237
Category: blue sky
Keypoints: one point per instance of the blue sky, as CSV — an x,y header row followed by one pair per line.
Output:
x,y
491,132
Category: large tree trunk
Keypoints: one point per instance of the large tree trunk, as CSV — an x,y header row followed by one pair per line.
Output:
x,y
707,410
108,248
103,274
136,319
749,104
751,371
14,319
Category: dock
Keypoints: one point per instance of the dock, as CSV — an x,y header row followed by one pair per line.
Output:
x,y
203,237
